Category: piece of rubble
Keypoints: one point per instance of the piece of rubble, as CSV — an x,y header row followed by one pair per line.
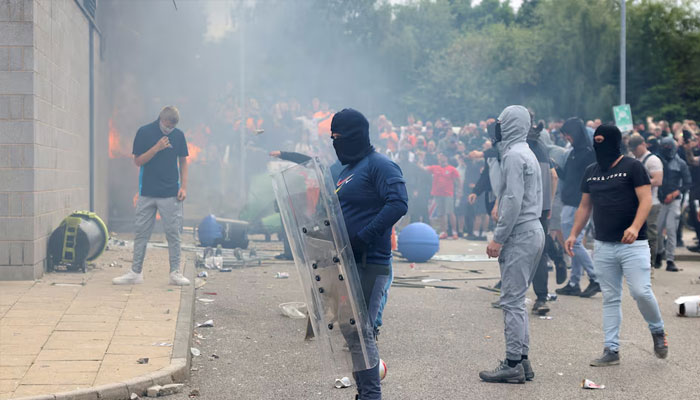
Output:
x,y
134,396
194,393
143,360
170,389
153,391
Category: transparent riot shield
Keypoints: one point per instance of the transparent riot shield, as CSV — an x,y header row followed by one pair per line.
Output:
x,y
316,231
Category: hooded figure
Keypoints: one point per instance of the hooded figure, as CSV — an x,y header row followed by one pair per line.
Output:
x,y
579,158
607,151
518,239
372,195
352,145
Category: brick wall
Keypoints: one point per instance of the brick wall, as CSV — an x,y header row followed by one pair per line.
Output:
x,y
44,127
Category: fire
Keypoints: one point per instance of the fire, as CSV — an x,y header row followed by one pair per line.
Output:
x,y
197,140
115,150
194,151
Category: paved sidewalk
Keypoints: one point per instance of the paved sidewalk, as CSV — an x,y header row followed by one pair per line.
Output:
x,y
73,331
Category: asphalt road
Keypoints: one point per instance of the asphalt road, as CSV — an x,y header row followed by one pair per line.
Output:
x,y
435,341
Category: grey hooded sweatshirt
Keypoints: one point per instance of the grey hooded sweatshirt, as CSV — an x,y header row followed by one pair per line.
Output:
x,y
520,193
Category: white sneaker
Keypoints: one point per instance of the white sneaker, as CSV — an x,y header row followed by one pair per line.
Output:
x,y
130,278
177,279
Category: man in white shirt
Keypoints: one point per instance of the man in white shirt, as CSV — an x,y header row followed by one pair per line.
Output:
x,y
655,169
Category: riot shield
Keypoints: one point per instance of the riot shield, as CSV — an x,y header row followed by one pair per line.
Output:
x,y
314,225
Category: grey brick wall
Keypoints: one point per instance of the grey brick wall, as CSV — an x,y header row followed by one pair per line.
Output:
x,y
44,127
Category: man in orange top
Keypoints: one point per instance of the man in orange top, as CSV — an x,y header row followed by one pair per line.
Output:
x,y
445,179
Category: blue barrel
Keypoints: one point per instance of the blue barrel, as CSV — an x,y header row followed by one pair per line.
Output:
x,y
418,242
209,231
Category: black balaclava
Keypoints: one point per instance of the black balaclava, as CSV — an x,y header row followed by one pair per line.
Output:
x,y
667,148
353,144
653,144
607,151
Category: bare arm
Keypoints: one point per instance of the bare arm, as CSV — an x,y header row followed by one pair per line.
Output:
x,y
580,219
555,181
183,172
644,197
657,178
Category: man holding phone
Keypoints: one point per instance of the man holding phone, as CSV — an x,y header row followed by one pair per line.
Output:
x,y
160,151
617,190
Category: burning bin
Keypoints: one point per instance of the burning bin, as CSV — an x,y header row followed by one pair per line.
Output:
x,y
81,237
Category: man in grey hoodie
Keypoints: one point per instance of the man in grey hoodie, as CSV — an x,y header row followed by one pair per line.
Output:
x,y
518,239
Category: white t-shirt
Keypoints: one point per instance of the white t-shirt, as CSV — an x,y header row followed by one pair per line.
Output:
x,y
652,164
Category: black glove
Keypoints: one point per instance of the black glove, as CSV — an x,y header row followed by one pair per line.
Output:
x,y
358,245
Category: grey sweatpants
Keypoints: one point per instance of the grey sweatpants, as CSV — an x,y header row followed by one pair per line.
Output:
x,y
170,210
518,261
652,230
669,217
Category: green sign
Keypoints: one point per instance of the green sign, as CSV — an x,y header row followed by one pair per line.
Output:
x,y
623,117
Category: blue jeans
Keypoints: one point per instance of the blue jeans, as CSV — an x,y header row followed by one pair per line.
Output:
x,y
612,261
581,259
379,321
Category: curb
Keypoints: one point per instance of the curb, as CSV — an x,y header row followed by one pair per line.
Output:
x,y
177,372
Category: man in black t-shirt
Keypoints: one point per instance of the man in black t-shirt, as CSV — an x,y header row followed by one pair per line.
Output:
x,y
617,191
160,150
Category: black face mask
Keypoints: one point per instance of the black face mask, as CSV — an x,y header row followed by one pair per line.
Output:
x,y
497,132
607,151
667,152
351,150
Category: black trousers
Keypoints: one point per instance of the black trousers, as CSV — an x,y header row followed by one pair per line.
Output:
x,y
539,281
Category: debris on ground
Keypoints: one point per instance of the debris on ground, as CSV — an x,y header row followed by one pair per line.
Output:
x,y
162,344
294,309
194,393
134,396
206,324
206,300
282,275
226,270
546,317
210,293
143,360
195,352
202,274
589,384
198,283
342,383
688,306
213,357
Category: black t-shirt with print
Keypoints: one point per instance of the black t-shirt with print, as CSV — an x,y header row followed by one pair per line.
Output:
x,y
614,198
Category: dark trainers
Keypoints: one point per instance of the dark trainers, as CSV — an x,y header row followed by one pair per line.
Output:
x,y
660,344
527,368
671,266
591,290
609,358
504,374
540,308
561,272
569,290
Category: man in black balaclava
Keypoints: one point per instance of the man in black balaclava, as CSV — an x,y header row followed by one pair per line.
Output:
x,y
617,191
372,194
676,181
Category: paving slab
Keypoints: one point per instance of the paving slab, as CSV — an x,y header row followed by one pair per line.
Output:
x,y
76,336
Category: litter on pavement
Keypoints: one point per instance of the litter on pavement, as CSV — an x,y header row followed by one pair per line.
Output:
x,y
294,309
206,324
342,383
688,306
589,384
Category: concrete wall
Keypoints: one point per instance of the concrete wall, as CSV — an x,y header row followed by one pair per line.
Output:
x,y
44,127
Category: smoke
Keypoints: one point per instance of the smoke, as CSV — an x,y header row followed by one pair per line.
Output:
x,y
219,20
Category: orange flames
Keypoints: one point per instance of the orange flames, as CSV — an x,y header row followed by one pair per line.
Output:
x,y
197,140
115,146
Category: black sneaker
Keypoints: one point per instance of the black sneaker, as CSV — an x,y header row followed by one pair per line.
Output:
x,y
471,236
591,290
481,238
657,262
527,367
504,374
694,248
660,344
671,266
609,358
561,272
569,290
540,308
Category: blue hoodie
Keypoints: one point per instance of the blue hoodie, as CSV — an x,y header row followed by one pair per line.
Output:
x,y
371,190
